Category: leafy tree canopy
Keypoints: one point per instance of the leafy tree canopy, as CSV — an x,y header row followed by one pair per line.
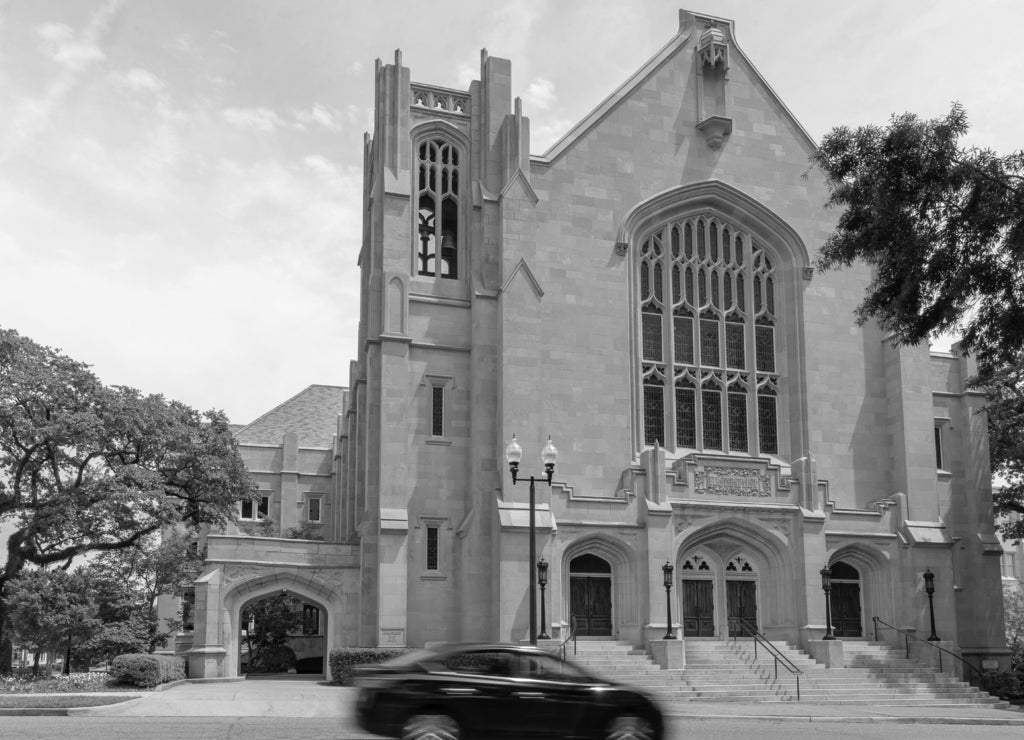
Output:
x,y
89,468
941,225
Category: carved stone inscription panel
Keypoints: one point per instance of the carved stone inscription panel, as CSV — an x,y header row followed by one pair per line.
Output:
x,y
721,481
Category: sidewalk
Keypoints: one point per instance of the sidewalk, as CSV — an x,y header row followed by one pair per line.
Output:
x,y
311,698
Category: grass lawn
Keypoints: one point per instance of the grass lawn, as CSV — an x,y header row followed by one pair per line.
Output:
x,y
59,701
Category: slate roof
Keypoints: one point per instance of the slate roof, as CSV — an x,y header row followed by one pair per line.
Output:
x,y
311,414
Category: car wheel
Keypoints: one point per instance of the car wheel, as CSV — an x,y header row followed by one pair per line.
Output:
x,y
431,727
629,727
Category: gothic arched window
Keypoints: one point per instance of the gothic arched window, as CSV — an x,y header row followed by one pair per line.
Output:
x,y
438,202
708,319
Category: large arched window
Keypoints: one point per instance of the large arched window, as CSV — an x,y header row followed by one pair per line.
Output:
x,y
708,321
438,202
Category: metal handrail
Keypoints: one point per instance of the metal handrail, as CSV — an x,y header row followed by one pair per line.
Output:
x,y
571,636
907,637
777,654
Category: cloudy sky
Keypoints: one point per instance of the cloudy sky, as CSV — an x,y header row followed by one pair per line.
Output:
x,y
180,179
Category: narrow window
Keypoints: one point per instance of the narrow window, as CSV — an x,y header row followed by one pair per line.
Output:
x,y
686,416
433,533
437,411
654,412
188,609
738,421
938,447
247,510
314,509
438,204
310,620
711,399
767,421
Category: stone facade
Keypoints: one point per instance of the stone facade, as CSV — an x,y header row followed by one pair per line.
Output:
x,y
644,293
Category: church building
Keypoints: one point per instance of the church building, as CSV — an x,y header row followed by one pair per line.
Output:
x,y
644,296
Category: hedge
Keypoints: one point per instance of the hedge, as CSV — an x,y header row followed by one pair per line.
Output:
x,y
147,670
1004,684
343,660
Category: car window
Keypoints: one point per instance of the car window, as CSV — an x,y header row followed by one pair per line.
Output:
x,y
548,667
480,662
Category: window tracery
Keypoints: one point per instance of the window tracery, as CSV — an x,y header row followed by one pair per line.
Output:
x,y
708,368
438,204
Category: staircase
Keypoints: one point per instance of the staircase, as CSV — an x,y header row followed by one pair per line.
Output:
x,y
723,671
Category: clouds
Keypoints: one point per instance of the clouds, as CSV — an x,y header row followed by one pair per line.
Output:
x,y
263,120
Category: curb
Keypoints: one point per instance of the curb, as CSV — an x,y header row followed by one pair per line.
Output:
x,y
819,719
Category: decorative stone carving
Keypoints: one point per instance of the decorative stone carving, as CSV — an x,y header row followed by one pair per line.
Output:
x,y
439,99
721,481
712,48
621,248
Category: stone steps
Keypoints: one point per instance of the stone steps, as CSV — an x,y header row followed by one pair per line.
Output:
x,y
724,671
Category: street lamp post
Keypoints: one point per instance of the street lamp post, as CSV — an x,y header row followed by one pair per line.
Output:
x,y
548,456
826,586
666,570
542,580
929,588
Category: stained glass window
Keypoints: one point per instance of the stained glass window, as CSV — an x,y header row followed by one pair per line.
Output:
x,y
708,314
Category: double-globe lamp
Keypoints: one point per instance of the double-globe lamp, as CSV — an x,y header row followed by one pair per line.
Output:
x,y
548,457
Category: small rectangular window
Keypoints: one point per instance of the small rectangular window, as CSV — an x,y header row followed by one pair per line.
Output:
x,y
433,533
938,448
255,510
314,509
437,411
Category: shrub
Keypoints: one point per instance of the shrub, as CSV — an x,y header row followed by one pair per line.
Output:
x,y
343,660
273,659
146,670
1004,684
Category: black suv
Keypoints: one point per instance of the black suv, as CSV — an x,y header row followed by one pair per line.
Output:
x,y
490,691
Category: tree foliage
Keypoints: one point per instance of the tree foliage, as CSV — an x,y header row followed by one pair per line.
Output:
x,y
89,468
52,610
1004,386
941,225
1013,610
272,619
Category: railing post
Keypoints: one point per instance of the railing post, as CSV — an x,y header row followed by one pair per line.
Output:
x,y
875,620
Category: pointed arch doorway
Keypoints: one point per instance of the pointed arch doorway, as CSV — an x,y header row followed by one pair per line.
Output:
x,y
845,600
590,595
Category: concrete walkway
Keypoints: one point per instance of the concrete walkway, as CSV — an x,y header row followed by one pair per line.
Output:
x,y
311,698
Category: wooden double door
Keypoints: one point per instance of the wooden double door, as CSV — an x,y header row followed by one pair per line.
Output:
x,y
591,604
699,607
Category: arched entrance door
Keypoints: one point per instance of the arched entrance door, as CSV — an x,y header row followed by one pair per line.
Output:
x,y
698,598
590,595
845,601
741,597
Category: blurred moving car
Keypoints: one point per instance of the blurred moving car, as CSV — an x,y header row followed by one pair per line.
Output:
x,y
491,691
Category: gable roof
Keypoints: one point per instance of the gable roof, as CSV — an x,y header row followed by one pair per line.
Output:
x,y
312,415
687,30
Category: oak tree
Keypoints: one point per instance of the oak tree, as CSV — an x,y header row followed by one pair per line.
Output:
x,y
87,468
942,227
